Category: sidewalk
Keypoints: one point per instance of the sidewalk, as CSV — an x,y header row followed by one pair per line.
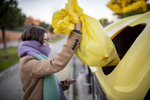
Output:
x,y
10,84
81,85
10,44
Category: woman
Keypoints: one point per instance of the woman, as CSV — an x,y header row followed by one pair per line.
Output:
x,y
37,71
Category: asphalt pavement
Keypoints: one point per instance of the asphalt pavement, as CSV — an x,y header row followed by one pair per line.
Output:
x,y
10,84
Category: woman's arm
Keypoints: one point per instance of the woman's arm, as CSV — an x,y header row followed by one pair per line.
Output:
x,y
40,68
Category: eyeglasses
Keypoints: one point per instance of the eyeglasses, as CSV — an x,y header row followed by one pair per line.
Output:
x,y
46,39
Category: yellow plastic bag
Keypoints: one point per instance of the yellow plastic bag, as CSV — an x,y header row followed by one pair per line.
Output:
x,y
95,48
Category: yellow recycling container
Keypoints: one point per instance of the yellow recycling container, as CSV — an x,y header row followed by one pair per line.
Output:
x,y
130,79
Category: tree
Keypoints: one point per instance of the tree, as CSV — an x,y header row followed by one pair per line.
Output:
x,y
51,29
10,17
104,21
124,8
44,25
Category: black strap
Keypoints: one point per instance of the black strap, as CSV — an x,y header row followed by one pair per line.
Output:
x,y
77,31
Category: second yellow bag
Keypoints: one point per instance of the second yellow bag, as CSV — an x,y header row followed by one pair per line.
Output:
x,y
96,48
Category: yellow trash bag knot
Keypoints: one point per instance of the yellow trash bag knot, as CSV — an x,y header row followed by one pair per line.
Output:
x,y
63,21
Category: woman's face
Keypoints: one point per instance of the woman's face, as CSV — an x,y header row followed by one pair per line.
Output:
x,y
46,39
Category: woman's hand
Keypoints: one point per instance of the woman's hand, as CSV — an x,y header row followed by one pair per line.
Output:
x,y
68,81
78,26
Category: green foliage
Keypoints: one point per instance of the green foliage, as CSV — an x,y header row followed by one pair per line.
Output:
x,y
148,7
19,29
53,40
13,58
131,13
10,16
104,22
44,25
51,29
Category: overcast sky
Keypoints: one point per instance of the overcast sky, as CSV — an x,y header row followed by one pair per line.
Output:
x,y
43,10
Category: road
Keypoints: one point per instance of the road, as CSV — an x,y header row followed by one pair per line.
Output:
x,y
10,84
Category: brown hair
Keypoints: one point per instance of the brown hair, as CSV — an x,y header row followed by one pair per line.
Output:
x,y
34,33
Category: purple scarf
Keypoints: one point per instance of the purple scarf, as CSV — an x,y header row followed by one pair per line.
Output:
x,y
31,48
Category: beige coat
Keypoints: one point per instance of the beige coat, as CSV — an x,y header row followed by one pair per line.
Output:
x,y
32,70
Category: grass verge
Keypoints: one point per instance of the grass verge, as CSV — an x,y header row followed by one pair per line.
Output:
x,y
12,59
53,40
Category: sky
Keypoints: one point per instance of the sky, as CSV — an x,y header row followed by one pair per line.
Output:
x,y
43,10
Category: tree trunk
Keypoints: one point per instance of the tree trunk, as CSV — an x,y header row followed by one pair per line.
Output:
x,y
4,42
